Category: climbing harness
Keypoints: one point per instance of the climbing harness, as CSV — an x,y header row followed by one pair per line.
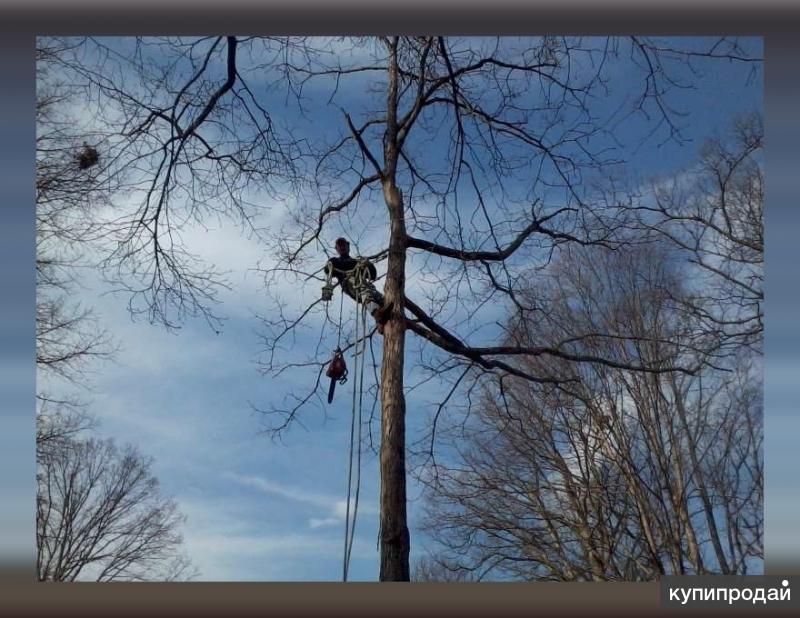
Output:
x,y
357,283
361,284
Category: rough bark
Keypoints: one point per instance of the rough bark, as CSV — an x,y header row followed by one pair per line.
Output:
x,y
394,530
395,542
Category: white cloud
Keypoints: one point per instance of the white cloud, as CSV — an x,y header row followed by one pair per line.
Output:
x,y
263,544
340,508
226,543
335,508
324,523
291,493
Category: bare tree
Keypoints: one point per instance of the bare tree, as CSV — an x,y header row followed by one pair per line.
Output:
x,y
189,140
70,188
715,212
481,150
618,477
100,513
431,568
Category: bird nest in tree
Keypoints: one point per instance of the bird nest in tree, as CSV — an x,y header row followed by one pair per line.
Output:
x,y
87,157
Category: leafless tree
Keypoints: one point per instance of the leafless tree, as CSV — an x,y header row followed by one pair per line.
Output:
x,y
715,212
625,475
483,152
431,568
189,142
68,194
100,513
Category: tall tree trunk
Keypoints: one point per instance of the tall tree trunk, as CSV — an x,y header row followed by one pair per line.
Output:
x,y
395,543
394,531
699,479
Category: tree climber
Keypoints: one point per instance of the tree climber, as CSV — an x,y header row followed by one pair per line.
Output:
x,y
355,275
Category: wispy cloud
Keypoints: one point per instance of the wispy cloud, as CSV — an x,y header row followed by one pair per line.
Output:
x,y
226,543
324,523
336,508
291,493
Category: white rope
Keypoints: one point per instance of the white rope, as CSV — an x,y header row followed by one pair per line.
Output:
x,y
346,556
355,421
339,336
360,379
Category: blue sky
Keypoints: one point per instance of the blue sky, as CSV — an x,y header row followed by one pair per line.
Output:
x,y
264,510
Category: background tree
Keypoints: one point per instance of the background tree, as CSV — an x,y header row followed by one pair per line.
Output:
x,y
431,568
621,475
191,143
68,195
483,151
100,513
715,213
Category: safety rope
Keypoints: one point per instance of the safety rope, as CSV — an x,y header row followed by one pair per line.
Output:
x,y
339,336
345,556
356,416
360,426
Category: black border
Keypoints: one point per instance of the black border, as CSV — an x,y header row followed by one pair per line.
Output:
x,y
778,22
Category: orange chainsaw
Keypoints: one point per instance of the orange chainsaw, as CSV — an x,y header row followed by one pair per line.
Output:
x,y
337,372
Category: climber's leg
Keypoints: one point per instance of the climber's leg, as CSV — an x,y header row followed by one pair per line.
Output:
x,y
370,297
376,308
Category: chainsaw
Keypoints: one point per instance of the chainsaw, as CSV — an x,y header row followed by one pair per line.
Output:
x,y
337,372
